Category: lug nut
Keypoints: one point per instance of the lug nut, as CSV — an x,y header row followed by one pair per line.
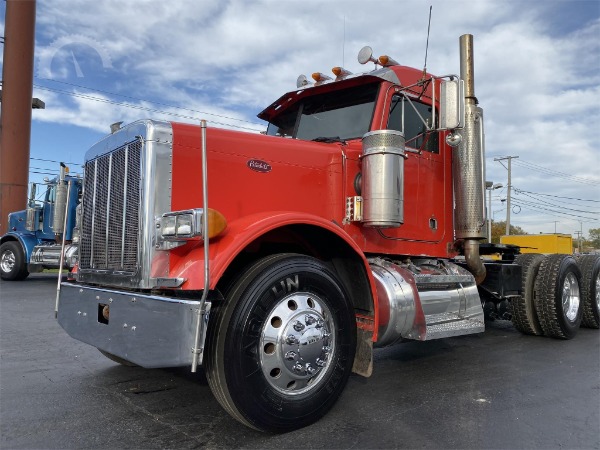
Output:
x,y
291,340
290,356
298,368
298,326
310,369
309,320
320,362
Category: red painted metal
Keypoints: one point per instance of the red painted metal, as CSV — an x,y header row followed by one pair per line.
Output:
x,y
262,183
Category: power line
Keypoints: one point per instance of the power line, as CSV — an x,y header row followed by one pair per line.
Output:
x,y
524,203
556,196
144,108
560,206
57,162
43,168
556,173
143,100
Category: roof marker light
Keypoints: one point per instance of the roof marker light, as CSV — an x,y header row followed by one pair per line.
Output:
x,y
340,73
387,61
320,77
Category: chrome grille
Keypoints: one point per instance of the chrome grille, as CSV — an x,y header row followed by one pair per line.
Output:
x,y
110,219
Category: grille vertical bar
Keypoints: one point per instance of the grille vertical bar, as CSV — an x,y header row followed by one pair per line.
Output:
x,y
110,220
124,207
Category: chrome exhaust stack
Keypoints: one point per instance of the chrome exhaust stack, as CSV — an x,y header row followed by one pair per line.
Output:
x,y
468,169
60,203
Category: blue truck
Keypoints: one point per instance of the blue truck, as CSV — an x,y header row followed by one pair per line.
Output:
x,y
36,235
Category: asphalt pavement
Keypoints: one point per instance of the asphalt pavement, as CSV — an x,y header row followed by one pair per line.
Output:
x,y
499,389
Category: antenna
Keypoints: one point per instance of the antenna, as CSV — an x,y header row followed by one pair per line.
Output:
x,y
427,44
344,43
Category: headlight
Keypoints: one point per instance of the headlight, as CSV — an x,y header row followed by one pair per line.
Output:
x,y
167,225
185,225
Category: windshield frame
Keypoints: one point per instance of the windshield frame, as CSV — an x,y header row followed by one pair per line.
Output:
x,y
349,105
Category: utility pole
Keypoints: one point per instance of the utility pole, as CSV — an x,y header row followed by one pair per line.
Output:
x,y
578,233
508,188
490,186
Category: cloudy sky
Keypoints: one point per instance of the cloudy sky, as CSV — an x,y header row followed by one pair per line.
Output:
x,y
537,75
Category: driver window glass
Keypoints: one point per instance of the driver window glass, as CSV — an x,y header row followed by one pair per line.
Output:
x,y
51,194
414,128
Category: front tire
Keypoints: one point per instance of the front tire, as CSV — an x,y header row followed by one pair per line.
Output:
x,y
13,266
558,298
590,289
281,348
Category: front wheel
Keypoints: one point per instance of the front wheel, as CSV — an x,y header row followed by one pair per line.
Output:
x,y
281,348
12,261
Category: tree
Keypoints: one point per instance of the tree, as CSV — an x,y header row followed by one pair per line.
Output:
x,y
499,229
594,239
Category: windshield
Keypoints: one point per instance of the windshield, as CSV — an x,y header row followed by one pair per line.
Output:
x,y
344,114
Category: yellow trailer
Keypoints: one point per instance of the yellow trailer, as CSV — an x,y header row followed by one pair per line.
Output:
x,y
541,243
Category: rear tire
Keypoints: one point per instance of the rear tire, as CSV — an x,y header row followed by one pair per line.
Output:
x,y
558,298
590,289
524,316
13,266
281,347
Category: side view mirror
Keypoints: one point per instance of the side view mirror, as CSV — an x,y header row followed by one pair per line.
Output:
x,y
452,104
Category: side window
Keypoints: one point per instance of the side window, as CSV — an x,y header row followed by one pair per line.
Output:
x,y
51,194
414,128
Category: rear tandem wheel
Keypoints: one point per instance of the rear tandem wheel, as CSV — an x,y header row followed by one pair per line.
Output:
x,y
590,289
558,297
524,316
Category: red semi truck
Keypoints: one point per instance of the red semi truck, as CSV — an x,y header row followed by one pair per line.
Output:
x,y
279,261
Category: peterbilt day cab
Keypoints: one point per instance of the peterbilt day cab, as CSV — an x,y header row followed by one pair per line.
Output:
x,y
34,240
279,261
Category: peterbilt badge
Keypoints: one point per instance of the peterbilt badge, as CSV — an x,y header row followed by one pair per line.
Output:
x,y
259,166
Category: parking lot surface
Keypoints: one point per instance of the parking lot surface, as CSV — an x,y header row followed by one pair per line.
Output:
x,y
499,389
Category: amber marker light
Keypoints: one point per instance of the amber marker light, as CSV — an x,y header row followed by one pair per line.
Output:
x,y
216,223
386,61
340,72
319,77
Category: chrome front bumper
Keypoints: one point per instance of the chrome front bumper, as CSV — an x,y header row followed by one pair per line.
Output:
x,y
150,331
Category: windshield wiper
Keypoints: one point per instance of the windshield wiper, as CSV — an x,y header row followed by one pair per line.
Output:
x,y
329,140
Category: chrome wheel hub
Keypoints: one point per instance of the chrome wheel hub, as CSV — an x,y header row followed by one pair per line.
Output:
x,y
570,297
8,261
297,343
